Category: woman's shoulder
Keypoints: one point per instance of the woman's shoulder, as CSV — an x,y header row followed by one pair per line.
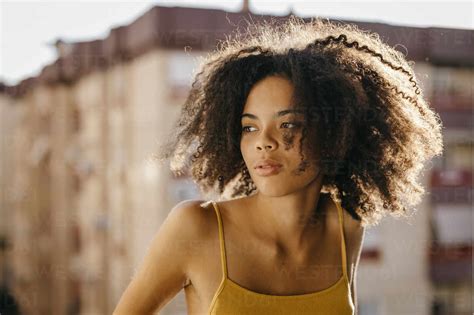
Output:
x,y
353,232
331,214
201,212
351,224
195,216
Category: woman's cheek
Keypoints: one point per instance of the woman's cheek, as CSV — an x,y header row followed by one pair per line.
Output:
x,y
290,139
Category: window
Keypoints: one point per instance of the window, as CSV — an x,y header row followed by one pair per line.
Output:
x,y
181,70
452,224
371,246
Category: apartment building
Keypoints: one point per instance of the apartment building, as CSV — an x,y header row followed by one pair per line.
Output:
x,y
82,197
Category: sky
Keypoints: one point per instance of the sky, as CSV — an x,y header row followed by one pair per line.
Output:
x,y
28,29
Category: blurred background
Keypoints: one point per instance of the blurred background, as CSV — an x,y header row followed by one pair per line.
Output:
x,y
89,89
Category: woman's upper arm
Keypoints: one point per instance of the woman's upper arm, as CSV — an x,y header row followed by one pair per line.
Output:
x,y
355,242
163,272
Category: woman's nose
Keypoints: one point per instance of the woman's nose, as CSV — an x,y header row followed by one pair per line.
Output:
x,y
266,142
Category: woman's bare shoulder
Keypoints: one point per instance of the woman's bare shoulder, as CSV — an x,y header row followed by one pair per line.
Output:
x,y
198,213
351,225
234,209
168,264
354,233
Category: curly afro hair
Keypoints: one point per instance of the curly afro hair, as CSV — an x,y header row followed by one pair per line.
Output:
x,y
374,126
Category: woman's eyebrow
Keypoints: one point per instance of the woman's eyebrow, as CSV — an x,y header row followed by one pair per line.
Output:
x,y
279,114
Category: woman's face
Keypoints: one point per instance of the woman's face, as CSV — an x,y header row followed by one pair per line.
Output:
x,y
268,125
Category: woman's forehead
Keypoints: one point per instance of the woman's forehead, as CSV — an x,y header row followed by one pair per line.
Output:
x,y
272,97
271,89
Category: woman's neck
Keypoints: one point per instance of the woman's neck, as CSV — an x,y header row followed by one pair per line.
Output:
x,y
290,219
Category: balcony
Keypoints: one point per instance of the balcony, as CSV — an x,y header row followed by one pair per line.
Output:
x,y
450,264
451,186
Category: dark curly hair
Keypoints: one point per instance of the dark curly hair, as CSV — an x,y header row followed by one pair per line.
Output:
x,y
374,126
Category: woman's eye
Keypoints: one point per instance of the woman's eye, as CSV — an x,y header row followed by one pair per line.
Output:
x,y
291,123
244,128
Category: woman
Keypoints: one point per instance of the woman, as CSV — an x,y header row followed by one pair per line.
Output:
x,y
310,132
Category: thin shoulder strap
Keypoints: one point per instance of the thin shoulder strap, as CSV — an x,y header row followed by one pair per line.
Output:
x,y
343,242
221,239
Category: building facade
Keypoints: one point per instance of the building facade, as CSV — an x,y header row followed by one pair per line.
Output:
x,y
82,198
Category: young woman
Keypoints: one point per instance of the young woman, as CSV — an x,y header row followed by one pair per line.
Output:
x,y
309,132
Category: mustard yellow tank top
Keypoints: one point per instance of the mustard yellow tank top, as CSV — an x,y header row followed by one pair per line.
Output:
x,y
233,299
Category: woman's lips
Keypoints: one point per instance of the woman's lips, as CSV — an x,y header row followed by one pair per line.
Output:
x,y
268,170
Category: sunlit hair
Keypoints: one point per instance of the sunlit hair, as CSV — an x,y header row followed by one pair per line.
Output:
x,y
373,125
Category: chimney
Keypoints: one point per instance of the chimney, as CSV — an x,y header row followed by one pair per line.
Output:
x,y
245,6
62,48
